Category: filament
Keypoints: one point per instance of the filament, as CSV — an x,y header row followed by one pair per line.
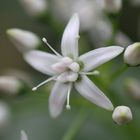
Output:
x,y
45,41
44,82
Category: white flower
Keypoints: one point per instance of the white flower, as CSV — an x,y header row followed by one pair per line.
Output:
x,y
24,40
23,135
132,54
70,69
122,115
35,7
9,85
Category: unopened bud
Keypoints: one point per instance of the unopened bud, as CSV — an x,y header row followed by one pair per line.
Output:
x,y
132,87
112,6
122,115
132,55
24,40
4,116
23,135
35,7
9,85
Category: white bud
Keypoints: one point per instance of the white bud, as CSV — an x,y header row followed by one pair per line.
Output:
x,y
23,135
132,55
24,40
112,6
9,85
132,87
122,115
35,7
74,67
4,116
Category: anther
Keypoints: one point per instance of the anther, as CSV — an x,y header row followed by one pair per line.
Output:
x,y
68,98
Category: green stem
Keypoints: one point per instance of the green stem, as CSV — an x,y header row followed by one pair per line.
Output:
x,y
76,125
119,72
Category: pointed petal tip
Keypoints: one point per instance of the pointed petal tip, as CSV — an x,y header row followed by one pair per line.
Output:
x,y
12,31
110,107
9,32
119,48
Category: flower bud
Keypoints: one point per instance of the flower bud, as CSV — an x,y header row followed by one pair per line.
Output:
x,y
122,115
122,39
9,85
132,55
112,6
132,87
4,116
23,135
24,40
35,7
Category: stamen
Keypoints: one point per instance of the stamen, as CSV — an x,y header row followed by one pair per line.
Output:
x,y
45,41
68,98
44,82
96,72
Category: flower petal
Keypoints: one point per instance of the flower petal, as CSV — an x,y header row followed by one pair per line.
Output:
x,y
23,135
69,44
97,57
57,98
89,90
42,61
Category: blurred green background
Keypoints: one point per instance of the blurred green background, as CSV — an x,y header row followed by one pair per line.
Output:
x,y
29,111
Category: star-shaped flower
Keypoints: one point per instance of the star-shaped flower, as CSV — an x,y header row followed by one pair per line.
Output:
x,y
69,69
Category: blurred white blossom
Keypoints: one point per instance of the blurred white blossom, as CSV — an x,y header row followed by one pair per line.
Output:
x,y
88,10
4,116
92,18
132,54
70,69
122,115
122,39
132,87
9,85
35,7
112,6
23,135
135,2
101,32
24,40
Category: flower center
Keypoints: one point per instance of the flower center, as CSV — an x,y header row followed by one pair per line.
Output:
x,y
67,69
